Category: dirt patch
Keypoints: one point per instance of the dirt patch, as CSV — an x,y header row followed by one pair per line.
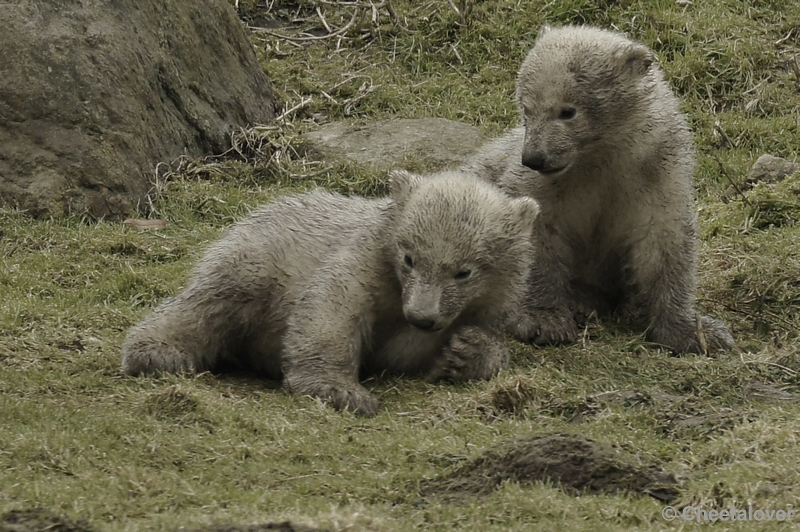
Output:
x,y
576,464
286,526
38,519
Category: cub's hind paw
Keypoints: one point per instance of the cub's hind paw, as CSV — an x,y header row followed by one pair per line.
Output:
x,y
717,334
149,357
701,335
471,353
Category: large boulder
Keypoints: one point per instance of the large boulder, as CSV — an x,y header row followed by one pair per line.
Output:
x,y
94,94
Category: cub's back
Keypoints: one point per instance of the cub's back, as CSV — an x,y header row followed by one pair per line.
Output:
x,y
278,247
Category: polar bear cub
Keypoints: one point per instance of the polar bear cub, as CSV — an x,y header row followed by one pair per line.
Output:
x,y
317,288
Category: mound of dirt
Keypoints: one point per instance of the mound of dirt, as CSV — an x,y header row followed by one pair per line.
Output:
x,y
286,526
38,519
578,465
93,95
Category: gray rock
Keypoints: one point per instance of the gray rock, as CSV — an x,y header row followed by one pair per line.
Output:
x,y
432,143
94,94
770,169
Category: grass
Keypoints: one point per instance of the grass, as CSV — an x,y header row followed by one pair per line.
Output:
x,y
83,442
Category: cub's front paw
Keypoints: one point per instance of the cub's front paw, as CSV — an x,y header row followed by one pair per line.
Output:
x,y
353,397
544,326
471,353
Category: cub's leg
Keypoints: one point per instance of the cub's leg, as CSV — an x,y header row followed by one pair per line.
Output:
x,y
325,339
186,334
545,316
471,353
663,269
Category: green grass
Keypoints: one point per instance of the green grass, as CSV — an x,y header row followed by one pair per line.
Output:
x,y
120,453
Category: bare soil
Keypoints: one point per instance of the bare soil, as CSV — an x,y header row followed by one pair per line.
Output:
x,y
578,465
39,519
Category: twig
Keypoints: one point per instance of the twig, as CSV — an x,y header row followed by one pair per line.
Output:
x,y
763,314
329,97
350,103
350,78
392,12
731,181
322,18
369,4
585,335
790,371
730,141
303,103
788,36
701,334
455,51
340,31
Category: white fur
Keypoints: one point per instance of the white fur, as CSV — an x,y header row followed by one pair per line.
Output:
x,y
607,154
315,288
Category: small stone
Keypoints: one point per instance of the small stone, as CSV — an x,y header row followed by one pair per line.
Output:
x,y
417,144
770,169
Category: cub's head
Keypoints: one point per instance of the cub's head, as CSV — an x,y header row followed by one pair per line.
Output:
x,y
461,247
578,86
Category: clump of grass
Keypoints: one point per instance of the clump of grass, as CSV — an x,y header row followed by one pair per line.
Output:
x,y
174,404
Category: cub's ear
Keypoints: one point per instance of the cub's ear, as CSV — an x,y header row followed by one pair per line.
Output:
x,y
524,211
634,60
544,30
401,183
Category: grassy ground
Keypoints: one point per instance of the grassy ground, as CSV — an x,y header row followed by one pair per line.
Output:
x,y
119,453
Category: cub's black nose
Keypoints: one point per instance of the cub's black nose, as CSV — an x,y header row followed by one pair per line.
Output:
x,y
421,323
534,161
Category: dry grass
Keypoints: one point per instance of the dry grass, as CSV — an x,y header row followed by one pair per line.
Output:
x,y
114,453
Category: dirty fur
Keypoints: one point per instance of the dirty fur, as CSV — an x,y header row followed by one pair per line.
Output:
x,y
318,288
606,152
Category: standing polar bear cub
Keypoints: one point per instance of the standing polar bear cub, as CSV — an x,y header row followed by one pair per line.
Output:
x,y
607,154
317,287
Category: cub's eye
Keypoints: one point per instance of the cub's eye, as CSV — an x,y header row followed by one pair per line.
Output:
x,y
463,275
567,113
409,261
